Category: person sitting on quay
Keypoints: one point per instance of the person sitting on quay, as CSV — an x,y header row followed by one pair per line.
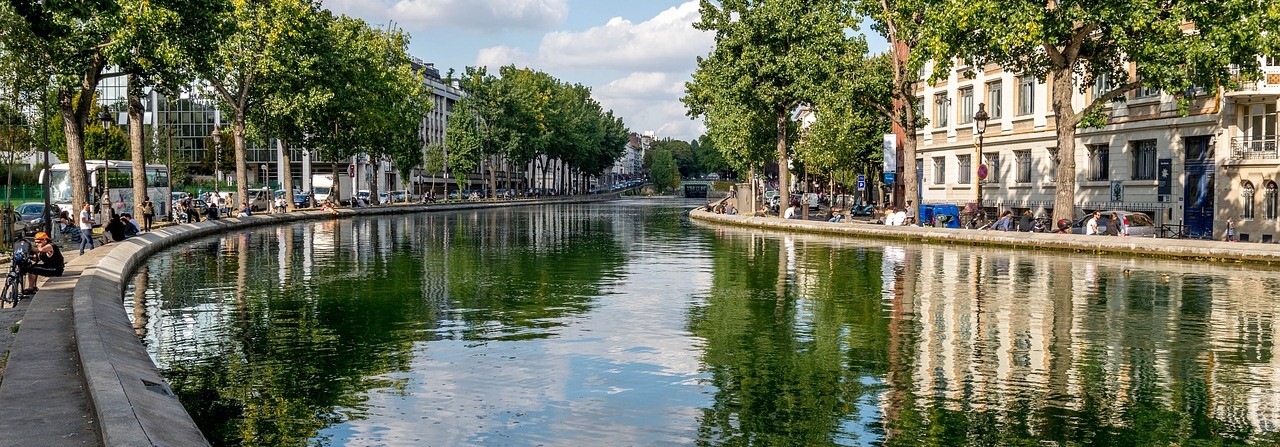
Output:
x,y
48,262
791,212
113,231
245,210
130,227
1091,227
1004,223
1114,226
730,209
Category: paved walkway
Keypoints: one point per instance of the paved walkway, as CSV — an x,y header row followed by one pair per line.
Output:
x,y
1139,246
43,366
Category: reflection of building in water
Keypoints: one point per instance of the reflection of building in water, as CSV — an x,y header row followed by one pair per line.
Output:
x,y
991,329
1245,372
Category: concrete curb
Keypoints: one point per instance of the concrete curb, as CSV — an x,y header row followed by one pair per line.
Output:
x,y
131,401
1163,248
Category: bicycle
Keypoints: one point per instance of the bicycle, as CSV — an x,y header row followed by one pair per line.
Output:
x,y
15,279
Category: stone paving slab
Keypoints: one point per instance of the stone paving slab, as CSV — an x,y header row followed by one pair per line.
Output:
x,y
1169,248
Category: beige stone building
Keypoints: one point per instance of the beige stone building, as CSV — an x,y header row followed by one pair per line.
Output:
x,y
1190,171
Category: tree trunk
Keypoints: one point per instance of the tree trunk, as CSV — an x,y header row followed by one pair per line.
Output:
x,y
73,130
493,179
1064,198
136,152
910,183
242,165
286,175
376,167
784,181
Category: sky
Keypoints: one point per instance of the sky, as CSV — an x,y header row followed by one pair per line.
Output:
x,y
635,55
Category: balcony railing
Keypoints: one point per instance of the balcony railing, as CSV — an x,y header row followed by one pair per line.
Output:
x,y
1254,148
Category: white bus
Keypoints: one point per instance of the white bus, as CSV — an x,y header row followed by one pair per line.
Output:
x,y
118,178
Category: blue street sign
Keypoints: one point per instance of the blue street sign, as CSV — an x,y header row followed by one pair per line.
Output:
x,y
862,182
888,178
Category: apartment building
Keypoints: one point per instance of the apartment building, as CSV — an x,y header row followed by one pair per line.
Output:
x,y
1189,169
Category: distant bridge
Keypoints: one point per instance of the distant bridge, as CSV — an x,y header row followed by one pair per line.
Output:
x,y
696,188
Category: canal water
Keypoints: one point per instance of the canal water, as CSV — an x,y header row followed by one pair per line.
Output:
x,y
625,323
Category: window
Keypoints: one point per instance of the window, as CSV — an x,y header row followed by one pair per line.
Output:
x,y
966,169
919,107
995,98
1023,161
1101,85
1026,95
1099,162
939,170
1272,206
1146,92
1053,164
993,167
1144,160
966,106
942,111
1246,195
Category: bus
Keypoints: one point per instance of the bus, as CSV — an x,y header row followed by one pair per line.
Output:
x,y
117,177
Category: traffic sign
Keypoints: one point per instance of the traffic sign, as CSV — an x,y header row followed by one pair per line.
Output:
x,y
862,182
351,170
982,171
888,178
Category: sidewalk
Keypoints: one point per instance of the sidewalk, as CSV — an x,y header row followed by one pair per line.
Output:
x,y
43,366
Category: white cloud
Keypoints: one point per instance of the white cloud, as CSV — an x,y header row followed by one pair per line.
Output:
x,y
494,57
478,15
650,101
667,42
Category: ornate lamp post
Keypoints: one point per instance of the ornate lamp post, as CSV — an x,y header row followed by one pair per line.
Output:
x,y
217,158
979,128
105,118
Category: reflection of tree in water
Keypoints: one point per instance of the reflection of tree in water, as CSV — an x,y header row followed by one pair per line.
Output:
x,y
795,369
292,357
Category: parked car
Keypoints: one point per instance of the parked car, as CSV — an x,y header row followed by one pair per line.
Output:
x,y
771,199
302,199
1132,223
399,196
812,199
32,215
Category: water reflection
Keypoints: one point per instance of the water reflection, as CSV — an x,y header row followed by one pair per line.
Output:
x,y
860,343
625,324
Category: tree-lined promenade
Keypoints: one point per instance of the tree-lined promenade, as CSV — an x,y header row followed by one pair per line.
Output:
x,y
288,70
774,57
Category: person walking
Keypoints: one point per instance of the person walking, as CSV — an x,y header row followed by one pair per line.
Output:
x,y
86,227
1230,235
148,213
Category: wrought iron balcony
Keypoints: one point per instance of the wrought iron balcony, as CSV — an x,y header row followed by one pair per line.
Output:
x,y
1254,148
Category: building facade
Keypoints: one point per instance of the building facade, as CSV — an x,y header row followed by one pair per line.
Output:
x,y
1191,166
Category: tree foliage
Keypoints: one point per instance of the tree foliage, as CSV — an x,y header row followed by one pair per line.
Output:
x,y
664,172
769,58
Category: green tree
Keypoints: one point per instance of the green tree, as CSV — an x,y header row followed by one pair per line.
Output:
x,y
63,42
682,152
769,58
665,173
159,44
1064,41
887,83
239,62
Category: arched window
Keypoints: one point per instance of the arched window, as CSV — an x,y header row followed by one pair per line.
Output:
x,y
1271,201
1246,196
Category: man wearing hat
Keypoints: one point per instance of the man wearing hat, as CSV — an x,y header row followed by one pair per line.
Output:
x,y
48,262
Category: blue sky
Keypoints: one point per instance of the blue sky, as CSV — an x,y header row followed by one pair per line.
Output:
x,y
635,55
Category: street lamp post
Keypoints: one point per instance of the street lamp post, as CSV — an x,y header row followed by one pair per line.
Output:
x,y
980,128
105,118
217,157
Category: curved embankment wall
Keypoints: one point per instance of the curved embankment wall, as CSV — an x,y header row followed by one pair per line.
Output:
x,y
1151,247
133,404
